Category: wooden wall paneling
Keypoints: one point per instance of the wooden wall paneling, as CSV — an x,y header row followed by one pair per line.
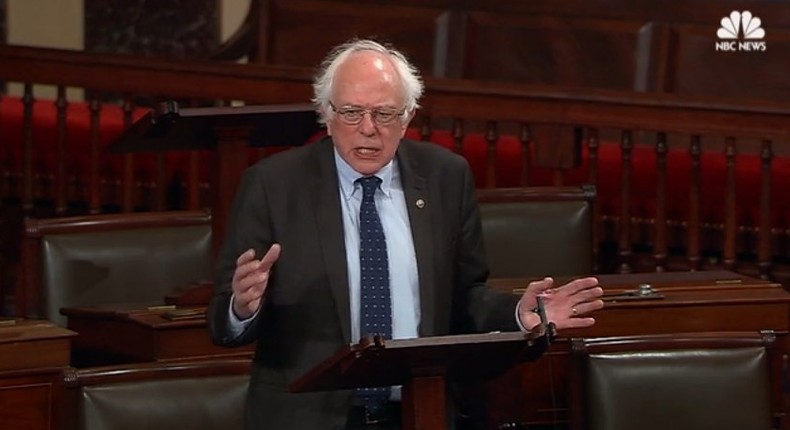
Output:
x,y
553,50
302,31
563,51
645,46
650,60
696,68
449,47
692,11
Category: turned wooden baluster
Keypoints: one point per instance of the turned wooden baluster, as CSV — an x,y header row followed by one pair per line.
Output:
x,y
765,233
4,169
526,155
27,164
425,128
492,136
127,176
193,177
94,191
730,226
5,284
693,227
626,147
660,224
60,179
458,135
592,158
193,181
160,182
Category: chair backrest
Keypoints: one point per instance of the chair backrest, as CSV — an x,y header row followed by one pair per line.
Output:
x,y
538,231
194,395
726,380
107,259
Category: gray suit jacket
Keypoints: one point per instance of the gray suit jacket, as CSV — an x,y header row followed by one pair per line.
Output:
x,y
293,199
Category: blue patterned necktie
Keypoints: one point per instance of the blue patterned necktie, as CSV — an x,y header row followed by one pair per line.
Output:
x,y
375,304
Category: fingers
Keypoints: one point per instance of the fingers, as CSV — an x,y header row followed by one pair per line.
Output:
x,y
580,284
248,255
569,305
251,278
250,271
580,290
576,323
537,287
587,307
589,294
585,296
245,264
270,258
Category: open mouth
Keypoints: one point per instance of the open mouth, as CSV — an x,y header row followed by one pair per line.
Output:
x,y
367,152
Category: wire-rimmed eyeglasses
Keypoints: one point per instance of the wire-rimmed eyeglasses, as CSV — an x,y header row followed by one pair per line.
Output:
x,y
352,115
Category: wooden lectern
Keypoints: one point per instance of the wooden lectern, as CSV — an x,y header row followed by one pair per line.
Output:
x,y
229,131
423,366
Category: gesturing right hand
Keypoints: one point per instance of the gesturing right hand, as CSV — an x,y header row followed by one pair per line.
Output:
x,y
250,280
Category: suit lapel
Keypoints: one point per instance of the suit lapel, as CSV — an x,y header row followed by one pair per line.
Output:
x,y
419,207
328,217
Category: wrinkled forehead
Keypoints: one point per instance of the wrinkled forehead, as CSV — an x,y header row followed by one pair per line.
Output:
x,y
367,77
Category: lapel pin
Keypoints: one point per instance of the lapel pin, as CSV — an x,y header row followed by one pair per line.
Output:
x,y
420,203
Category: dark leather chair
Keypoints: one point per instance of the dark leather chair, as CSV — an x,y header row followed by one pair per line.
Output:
x,y
110,259
538,231
192,395
722,381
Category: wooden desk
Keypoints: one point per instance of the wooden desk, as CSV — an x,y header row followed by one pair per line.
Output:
x,y
134,333
33,355
535,393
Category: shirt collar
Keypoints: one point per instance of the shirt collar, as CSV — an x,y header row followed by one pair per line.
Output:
x,y
347,176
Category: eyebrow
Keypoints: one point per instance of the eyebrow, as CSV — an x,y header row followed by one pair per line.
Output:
x,y
352,106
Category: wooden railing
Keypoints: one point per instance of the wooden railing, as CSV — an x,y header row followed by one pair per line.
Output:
x,y
759,128
511,134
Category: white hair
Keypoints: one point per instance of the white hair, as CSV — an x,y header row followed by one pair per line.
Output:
x,y
325,78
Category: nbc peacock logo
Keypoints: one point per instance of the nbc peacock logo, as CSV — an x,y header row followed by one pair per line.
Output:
x,y
741,31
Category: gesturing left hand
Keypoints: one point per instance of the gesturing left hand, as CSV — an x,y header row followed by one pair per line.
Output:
x,y
566,306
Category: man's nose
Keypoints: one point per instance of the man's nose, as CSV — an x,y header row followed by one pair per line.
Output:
x,y
366,125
